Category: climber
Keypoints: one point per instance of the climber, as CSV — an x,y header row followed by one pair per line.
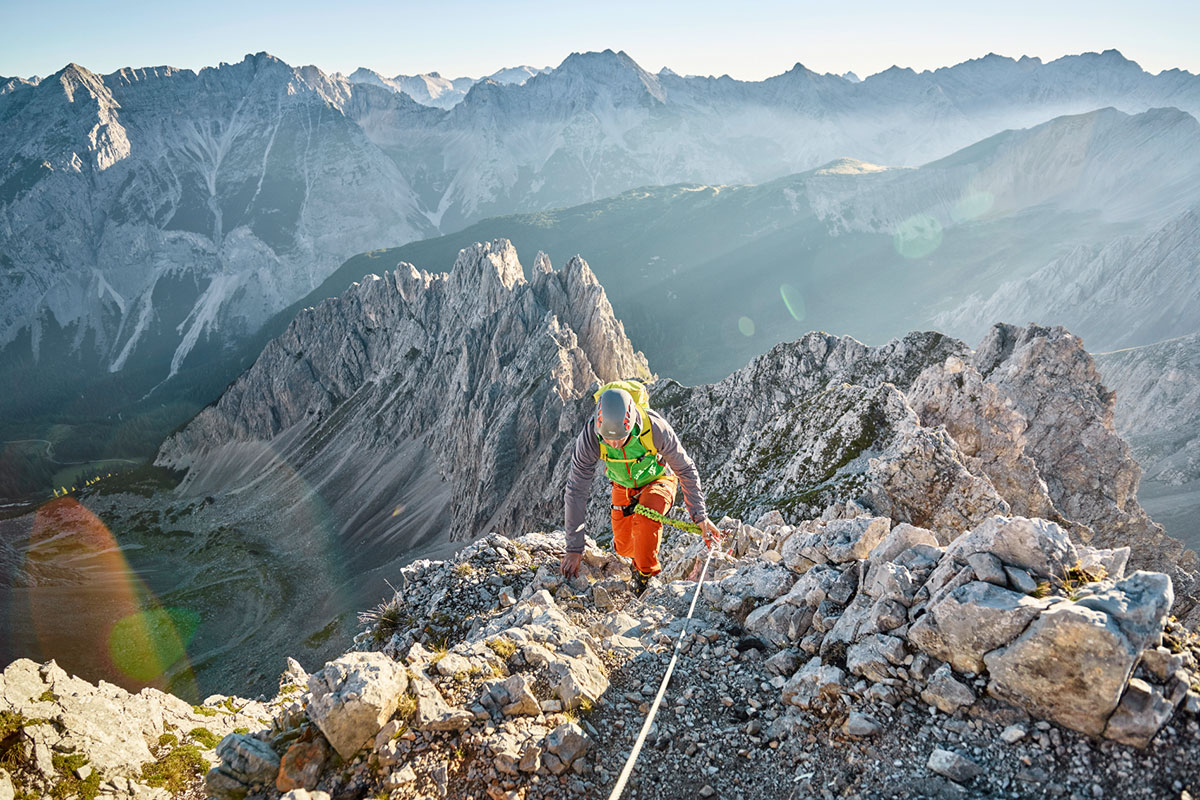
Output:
x,y
646,463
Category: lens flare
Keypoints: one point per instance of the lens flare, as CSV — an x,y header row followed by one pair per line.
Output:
x,y
917,236
973,206
794,300
93,614
746,326
146,644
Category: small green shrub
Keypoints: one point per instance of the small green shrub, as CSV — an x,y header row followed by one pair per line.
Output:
x,y
205,737
176,770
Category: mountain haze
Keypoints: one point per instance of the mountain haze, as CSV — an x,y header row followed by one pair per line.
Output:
x,y
152,220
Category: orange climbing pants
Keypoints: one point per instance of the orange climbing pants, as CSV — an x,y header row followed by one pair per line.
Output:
x,y
636,536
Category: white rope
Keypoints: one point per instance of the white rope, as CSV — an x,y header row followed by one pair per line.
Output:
x,y
637,746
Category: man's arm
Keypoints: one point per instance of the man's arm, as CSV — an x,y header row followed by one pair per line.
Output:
x,y
666,441
579,483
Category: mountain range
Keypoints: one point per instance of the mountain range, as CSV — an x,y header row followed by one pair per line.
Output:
x,y
431,89
153,220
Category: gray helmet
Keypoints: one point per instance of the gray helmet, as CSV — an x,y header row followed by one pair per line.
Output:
x,y
615,414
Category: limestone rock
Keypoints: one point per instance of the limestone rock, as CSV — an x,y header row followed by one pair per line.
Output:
x,y
568,742
1040,546
1138,604
433,713
899,539
353,696
813,684
860,725
1143,710
957,768
945,692
245,761
301,765
304,794
971,621
873,657
1069,666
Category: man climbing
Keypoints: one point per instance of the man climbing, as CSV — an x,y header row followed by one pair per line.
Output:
x,y
646,462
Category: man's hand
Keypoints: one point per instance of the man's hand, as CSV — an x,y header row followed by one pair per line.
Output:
x,y
711,533
570,564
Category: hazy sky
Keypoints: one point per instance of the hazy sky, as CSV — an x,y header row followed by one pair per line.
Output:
x,y
749,40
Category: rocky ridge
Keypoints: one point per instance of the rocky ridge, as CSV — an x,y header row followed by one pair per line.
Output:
x,y
191,204
845,656
423,391
922,430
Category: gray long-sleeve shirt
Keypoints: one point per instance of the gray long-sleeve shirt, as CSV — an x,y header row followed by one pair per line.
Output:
x,y
586,458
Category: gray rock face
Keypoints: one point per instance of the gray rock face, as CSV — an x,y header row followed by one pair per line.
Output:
x,y
1070,666
111,728
356,390
192,205
1143,710
245,761
1089,472
972,621
353,696
1138,604
946,692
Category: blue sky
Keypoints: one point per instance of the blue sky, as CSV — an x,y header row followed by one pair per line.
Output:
x,y
751,40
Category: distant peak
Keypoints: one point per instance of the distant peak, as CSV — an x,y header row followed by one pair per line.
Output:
x,y
849,166
592,59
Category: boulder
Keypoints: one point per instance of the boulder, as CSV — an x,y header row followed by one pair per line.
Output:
x,y
813,683
1040,546
838,541
988,568
860,725
567,742
1113,561
353,696
433,713
901,538
972,620
760,580
301,765
1142,711
513,696
945,692
780,622
1069,666
875,657
949,764
892,581
1138,604
244,761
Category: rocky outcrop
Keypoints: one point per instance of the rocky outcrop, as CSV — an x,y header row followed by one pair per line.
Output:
x,y
544,693
61,735
924,430
453,393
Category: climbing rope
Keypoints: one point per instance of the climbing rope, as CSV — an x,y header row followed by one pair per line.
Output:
x,y
690,527
641,739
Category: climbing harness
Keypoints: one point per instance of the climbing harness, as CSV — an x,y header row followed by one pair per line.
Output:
x,y
641,739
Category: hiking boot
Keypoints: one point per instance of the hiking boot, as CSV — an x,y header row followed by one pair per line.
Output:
x,y
639,583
